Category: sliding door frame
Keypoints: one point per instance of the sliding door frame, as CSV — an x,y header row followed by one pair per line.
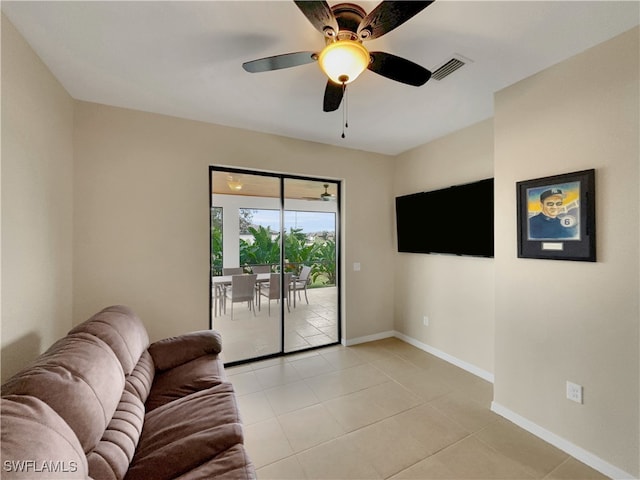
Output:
x,y
282,177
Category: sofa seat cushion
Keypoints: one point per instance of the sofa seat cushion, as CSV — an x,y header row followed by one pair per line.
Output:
x,y
186,433
37,442
111,457
230,464
204,372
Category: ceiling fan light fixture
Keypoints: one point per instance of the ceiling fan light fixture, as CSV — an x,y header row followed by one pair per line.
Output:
x,y
344,60
234,184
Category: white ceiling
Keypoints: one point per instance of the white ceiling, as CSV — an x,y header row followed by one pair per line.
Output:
x,y
184,59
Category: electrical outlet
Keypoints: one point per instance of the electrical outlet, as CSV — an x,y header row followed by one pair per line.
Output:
x,y
425,321
574,392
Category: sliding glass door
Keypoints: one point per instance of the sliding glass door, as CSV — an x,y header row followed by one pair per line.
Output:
x,y
280,234
310,253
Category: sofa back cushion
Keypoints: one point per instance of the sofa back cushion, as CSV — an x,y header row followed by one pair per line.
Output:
x,y
120,328
111,457
36,441
140,380
80,378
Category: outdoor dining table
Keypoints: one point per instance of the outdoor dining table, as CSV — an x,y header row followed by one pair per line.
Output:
x,y
219,281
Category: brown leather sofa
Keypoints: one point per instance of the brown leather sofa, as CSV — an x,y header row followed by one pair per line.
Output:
x,y
102,403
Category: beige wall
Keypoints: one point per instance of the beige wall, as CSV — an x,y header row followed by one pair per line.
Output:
x,y
37,196
142,215
577,321
456,293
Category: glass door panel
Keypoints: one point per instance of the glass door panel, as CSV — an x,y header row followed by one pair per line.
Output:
x,y
285,231
246,240
310,254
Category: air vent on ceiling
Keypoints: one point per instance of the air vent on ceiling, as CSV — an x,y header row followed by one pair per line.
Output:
x,y
448,68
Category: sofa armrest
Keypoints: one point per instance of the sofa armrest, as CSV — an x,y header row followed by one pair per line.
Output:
x,y
171,352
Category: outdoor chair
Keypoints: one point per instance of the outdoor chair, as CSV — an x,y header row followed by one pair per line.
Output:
x,y
233,271
261,268
242,290
272,290
301,282
228,271
218,298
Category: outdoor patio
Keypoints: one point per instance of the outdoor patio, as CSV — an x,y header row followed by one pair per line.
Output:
x,y
248,336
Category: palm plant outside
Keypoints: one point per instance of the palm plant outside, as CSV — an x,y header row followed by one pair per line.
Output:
x,y
216,241
324,266
264,248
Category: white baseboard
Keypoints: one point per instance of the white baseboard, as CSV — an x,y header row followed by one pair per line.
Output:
x,y
575,451
488,376
479,372
367,338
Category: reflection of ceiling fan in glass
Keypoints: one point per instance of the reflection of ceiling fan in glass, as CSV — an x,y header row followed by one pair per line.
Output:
x,y
324,196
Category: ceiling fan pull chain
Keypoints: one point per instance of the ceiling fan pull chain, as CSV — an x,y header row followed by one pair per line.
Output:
x,y
346,108
345,111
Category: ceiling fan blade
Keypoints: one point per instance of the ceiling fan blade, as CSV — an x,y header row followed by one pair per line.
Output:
x,y
387,16
320,15
277,62
398,69
332,96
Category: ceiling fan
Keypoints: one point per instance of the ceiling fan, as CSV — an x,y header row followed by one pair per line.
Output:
x,y
325,196
345,27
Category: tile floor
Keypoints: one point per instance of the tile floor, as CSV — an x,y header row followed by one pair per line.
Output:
x,y
383,410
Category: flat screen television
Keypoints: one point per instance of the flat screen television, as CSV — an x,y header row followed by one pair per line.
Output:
x,y
457,220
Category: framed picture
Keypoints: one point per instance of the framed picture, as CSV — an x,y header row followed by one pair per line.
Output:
x,y
556,217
